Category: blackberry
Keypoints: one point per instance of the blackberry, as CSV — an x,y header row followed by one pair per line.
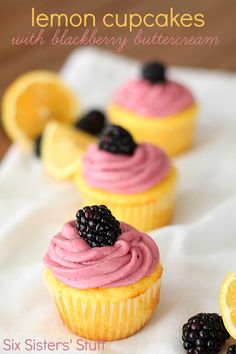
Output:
x,y
92,122
37,146
204,334
97,226
231,349
154,72
117,140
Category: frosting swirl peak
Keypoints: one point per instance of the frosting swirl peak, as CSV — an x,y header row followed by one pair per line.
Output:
x,y
148,166
75,264
154,100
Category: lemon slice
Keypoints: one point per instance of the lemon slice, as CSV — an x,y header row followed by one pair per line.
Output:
x,y
228,303
31,101
62,148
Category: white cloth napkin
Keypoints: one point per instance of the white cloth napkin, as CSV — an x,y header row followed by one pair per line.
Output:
x,y
196,251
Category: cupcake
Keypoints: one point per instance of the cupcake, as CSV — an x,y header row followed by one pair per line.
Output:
x,y
103,275
156,110
136,181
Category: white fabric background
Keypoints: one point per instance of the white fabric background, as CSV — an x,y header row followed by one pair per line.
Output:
x,y
197,250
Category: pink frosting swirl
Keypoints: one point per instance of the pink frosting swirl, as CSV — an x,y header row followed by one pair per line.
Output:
x,y
154,100
148,166
75,263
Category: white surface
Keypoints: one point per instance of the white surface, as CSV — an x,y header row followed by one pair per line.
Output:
x,y
197,251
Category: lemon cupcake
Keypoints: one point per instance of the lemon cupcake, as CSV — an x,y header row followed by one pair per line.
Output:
x,y
137,182
103,275
156,110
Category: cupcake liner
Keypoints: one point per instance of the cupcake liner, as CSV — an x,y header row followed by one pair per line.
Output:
x,y
174,134
103,319
145,211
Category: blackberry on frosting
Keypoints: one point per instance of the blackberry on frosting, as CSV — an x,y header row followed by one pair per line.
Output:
x,y
117,140
97,226
154,72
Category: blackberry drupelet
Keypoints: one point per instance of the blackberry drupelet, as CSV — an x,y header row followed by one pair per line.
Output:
x,y
97,226
117,140
231,349
154,72
204,334
92,122
37,146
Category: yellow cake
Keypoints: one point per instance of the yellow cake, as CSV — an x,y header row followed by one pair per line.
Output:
x,y
156,110
106,314
174,134
145,210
